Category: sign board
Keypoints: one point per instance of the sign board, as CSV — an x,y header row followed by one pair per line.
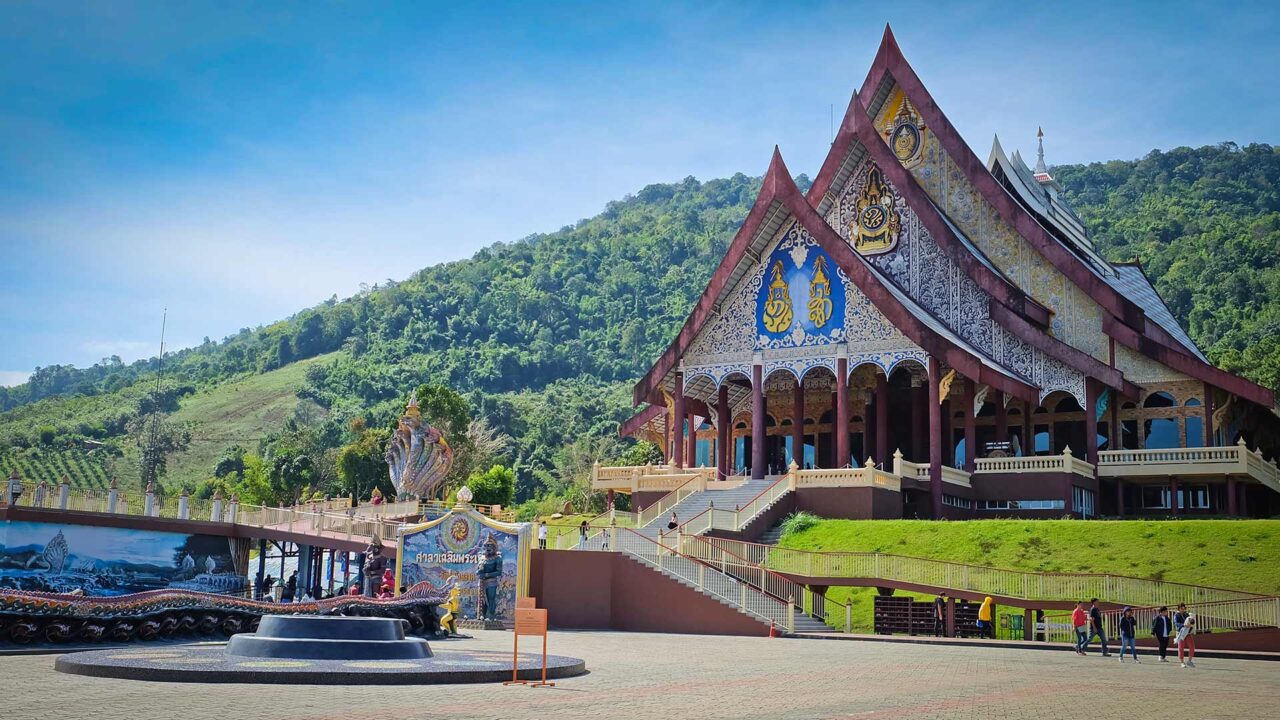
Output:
x,y
529,621
526,602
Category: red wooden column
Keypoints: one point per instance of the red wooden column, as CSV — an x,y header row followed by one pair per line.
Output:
x,y
691,444
757,422
723,451
970,428
1091,421
678,431
920,423
935,444
1002,418
882,421
1115,438
1209,410
1120,498
1233,505
841,428
797,424
1173,495
1028,430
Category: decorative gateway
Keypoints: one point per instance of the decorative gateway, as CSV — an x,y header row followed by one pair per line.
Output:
x,y
418,455
486,560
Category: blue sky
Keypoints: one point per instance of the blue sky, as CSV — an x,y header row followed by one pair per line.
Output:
x,y
237,164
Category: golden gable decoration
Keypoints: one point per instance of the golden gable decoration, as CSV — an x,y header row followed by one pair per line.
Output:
x,y
877,223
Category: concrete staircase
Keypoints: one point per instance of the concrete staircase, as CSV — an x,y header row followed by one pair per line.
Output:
x,y
699,502
771,536
723,588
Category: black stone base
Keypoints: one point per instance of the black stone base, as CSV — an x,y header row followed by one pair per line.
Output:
x,y
209,664
300,637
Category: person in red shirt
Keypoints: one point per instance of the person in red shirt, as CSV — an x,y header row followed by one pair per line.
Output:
x,y
1080,623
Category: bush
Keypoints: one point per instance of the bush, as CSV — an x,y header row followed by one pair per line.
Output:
x,y
495,486
798,522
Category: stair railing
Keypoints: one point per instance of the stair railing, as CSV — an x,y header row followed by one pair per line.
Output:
x,y
978,578
763,579
668,501
715,518
695,571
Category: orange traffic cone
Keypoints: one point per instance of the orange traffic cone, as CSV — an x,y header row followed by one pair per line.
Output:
x,y
773,629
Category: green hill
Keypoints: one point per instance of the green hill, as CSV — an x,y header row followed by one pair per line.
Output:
x,y
85,469
1235,555
242,412
544,336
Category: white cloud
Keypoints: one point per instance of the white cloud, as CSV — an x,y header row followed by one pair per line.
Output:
x,y
10,378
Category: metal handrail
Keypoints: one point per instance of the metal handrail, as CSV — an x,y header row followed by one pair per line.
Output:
x,y
1220,615
749,598
977,578
660,508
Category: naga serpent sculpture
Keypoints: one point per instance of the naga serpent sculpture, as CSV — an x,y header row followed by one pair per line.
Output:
x,y
418,455
27,616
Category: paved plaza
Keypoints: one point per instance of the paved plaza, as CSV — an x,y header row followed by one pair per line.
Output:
x,y
681,676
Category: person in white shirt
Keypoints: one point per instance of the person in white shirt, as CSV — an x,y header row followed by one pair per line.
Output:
x,y
542,535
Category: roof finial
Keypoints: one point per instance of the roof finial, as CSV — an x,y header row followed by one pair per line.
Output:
x,y
1040,166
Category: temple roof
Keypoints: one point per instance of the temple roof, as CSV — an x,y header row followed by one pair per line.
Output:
x,y
1134,283
779,201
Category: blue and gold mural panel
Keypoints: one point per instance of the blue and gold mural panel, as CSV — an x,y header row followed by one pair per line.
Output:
x,y
449,552
801,300
108,561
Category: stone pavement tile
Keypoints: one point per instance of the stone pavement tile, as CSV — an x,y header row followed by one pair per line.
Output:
x,y
682,676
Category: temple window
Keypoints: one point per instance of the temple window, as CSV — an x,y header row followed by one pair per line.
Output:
x,y
1161,434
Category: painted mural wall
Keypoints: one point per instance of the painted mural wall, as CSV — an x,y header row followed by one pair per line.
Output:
x,y
105,561
448,552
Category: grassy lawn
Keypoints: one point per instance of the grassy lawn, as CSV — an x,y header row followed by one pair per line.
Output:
x,y
1235,554
237,412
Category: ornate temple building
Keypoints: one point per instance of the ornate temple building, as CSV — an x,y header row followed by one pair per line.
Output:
x,y
923,334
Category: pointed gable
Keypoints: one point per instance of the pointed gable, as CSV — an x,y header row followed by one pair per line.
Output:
x,y
781,215
1089,307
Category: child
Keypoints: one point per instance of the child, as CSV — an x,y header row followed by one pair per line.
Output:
x,y
1128,634
1187,641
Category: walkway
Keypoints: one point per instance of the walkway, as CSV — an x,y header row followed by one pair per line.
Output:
x,y
637,675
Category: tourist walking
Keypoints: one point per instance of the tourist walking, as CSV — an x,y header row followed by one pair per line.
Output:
x,y
290,587
1187,641
582,535
604,535
1096,628
264,588
675,521
1080,623
986,618
542,535
1161,629
940,615
1128,634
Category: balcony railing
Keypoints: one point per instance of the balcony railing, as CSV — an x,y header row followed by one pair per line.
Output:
x,y
1064,463
920,471
1235,459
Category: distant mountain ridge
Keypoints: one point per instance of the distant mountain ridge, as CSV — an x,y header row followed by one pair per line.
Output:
x,y
545,335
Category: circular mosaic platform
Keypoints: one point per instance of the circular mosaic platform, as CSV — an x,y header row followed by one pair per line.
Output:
x,y
210,664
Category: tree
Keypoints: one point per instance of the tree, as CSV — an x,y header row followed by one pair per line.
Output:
x,y
445,409
231,462
157,439
361,465
495,486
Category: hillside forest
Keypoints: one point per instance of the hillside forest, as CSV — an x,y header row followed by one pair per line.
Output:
x,y
525,353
